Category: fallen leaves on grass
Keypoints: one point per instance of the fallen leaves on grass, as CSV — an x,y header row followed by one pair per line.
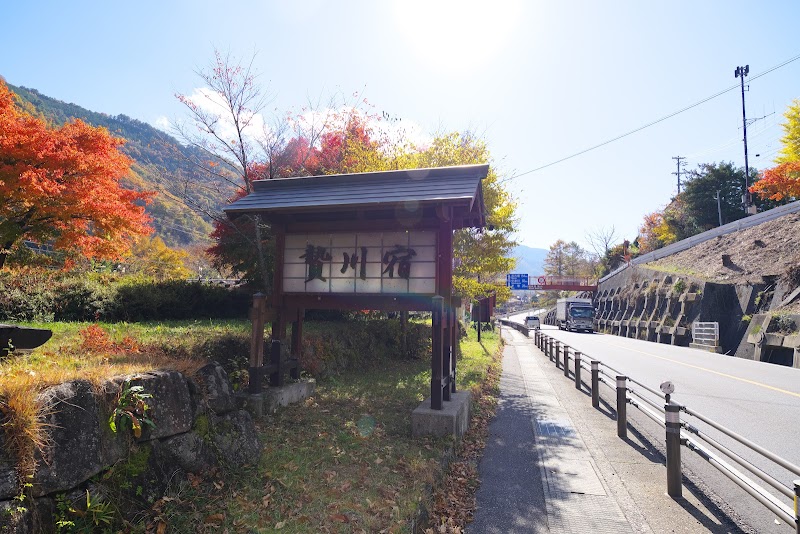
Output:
x,y
454,498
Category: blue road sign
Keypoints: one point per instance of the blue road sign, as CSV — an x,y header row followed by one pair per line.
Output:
x,y
517,281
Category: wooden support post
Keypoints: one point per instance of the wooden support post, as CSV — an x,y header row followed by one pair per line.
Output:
x,y
436,353
258,318
479,321
276,359
404,333
297,344
446,349
455,339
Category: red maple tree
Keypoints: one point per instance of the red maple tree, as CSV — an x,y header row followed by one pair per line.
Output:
x,y
779,182
61,186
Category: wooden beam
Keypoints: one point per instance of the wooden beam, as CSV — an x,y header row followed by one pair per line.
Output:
x,y
356,301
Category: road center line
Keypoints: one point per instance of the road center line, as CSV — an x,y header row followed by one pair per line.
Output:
x,y
753,382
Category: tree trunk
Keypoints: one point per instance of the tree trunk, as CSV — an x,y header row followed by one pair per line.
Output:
x,y
4,252
262,262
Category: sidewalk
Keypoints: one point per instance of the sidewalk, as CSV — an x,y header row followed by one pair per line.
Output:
x,y
554,464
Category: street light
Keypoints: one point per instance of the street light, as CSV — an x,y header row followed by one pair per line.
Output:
x,y
747,203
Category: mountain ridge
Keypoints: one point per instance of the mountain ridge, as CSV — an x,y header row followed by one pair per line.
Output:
x,y
160,163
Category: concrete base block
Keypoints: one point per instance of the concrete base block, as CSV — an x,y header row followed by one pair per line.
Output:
x,y
252,402
260,404
709,348
451,420
275,397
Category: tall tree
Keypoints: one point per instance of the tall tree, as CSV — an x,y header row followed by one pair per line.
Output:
x,y
568,259
782,183
61,186
601,240
483,256
790,152
340,139
151,257
655,232
699,197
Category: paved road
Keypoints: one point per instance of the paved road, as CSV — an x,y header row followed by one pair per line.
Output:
x,y
757,400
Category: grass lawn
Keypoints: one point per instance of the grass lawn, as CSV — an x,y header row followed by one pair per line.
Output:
x,y
343,461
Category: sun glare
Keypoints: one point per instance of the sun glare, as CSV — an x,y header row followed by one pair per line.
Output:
x,y
456,34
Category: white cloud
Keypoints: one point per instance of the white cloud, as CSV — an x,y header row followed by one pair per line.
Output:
x,y
163,124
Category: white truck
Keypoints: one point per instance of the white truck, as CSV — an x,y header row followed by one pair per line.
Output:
x,y
575,314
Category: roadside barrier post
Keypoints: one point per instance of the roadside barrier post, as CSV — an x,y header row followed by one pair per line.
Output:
x,y
595,384
796,499
566,361
558,355
622,407
577,370
673,424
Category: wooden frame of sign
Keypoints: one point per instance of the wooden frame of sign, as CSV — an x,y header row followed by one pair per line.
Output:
x,y
371,241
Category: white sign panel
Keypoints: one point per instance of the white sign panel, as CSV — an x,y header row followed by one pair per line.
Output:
x,y
365,263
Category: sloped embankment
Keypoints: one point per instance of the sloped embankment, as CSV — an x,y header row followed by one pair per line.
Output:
x,y
747,281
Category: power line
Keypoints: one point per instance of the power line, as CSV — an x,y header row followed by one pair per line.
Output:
x,y
653,123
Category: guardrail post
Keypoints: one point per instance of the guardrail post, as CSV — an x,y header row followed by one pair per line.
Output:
x,y
595,384
796,500
622,406
577,370
557,355
673,423
550,343
566,361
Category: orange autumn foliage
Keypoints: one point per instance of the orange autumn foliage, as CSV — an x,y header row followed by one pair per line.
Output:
x,y
779,182
61,186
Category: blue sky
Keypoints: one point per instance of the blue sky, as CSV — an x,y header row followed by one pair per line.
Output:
x,y
539,81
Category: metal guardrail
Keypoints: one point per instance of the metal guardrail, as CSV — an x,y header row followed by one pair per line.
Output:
x,y
640,396
735,226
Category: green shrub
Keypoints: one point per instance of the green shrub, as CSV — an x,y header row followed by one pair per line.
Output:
x,y
359,345
146,300
27,295
41,295
781,323
679,287
82,299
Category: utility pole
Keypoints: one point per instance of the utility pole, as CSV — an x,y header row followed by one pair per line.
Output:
x,y
719,208
679,160
741,72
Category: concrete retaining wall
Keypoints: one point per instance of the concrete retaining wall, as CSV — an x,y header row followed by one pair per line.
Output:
x,y
655,306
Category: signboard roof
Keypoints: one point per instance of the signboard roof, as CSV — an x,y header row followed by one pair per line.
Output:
x,y
457,186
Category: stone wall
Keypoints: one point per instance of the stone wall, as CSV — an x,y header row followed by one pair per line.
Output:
x,y
197,427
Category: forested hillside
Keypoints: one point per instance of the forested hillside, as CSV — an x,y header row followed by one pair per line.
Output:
x,y
160,164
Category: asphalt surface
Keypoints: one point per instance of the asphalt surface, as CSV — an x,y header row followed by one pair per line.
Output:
x,y
554,464
757,400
